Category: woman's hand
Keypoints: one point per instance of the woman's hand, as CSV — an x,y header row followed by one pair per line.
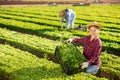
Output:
x,y
69,40
84,65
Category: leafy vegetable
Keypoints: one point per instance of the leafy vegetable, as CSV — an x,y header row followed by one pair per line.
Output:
x,y
70,56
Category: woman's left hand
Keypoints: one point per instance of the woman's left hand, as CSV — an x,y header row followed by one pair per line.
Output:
x,y
84,65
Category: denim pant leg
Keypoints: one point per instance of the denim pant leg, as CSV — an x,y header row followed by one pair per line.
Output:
x,y
72,23
92,68
67,23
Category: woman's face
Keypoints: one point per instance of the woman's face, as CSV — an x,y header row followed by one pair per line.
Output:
x,y
94,31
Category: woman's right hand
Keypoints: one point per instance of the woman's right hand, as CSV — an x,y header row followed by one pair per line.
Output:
x,y
69,40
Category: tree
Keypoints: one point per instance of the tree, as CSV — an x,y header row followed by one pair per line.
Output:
x,y
95,1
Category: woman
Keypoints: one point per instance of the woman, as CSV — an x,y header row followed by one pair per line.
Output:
x,y
92,47
69,15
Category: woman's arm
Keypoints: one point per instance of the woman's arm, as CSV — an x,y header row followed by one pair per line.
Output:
x,y
79,40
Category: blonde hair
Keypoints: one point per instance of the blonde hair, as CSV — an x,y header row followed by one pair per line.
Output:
x,y
62,13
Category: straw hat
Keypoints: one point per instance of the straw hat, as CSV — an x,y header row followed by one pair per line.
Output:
x,y
95,24
62,13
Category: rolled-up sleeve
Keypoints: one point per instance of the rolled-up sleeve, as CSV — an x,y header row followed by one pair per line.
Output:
x,y
79,40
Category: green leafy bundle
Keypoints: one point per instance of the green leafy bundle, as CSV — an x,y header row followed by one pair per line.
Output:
x,y
71,56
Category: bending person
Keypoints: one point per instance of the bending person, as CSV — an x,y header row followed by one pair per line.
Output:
x,y
70,16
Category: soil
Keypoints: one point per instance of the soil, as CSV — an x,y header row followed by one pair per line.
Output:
x,y
3,77
110,76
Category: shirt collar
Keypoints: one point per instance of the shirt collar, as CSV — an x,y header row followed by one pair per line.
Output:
x,y
94,38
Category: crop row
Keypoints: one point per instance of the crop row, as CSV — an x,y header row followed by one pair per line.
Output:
x,y
78,19
83,13
110,43
37,43
107,28
44,22
55,20
49,13
37,20
41,44
21,65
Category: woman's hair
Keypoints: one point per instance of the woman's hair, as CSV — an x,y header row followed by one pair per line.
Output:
x,y
62,13
93,26
66,10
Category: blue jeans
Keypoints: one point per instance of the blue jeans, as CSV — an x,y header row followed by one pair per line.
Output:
x,y
92,69
71,23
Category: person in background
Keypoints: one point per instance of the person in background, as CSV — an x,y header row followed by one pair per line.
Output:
x,y
92,46
69,15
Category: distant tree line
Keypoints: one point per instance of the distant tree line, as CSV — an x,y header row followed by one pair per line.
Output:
x,y
10,0
97,1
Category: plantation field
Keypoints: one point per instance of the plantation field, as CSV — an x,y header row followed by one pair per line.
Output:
x,y
29,35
